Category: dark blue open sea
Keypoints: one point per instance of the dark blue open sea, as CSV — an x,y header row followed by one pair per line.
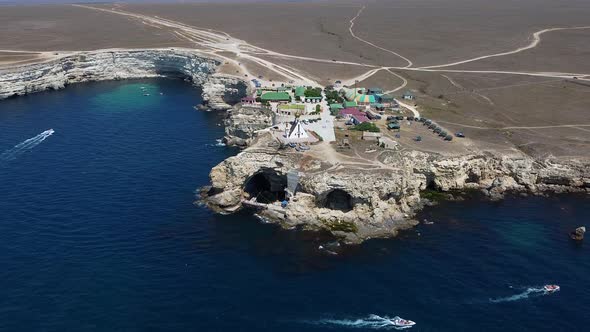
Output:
x,y
98,232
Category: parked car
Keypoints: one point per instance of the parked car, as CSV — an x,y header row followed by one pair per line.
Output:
x,y
460,134
418,139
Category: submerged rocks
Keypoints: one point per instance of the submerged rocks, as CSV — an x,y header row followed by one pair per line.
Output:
x,y
578,233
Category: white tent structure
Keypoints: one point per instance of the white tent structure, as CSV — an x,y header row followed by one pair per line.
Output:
x,y
297,131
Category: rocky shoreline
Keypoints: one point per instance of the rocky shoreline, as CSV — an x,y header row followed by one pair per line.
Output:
x,y
219,91
358,204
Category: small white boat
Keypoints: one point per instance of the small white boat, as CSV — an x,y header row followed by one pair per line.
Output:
x,y
400,322
146,94
551,288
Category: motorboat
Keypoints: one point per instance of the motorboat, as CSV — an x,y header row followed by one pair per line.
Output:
x,y
551,288
400,322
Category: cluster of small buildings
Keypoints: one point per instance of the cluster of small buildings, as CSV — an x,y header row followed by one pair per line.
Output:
x,y
372,97
363,105
284,100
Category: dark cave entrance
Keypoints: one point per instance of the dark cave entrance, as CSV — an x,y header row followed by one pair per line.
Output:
x,y
338,199
267,186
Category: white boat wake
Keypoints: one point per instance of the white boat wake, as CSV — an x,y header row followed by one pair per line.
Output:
x,y
527,293
370,322
25,146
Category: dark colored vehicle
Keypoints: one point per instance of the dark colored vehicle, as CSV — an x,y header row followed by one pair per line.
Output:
x,y
399,117
423,120
391,117
449,138
437,130
410,118
460,134
418,139
442,134
432,126
428,122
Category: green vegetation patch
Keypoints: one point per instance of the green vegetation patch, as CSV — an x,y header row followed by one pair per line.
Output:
x,y
291,107
340,226
433,195
313,92
366,126
333,97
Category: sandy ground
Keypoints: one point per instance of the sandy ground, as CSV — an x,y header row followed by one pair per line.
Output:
x,y
566,50
538,115
433,32
65,27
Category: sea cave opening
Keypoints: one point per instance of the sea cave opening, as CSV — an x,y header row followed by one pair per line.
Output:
x,y
338,199
266,186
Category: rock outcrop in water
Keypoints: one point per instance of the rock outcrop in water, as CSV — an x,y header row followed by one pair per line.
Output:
x,y
219,91
357,204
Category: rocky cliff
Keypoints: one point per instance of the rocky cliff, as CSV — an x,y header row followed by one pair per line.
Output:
x,y
357,204
244,121
218,91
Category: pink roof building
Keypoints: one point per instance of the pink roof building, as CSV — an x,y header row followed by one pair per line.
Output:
x,y
355,114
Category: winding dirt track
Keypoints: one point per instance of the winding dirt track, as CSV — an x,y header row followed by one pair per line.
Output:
x,y
215,41
517,127
410,63
533,44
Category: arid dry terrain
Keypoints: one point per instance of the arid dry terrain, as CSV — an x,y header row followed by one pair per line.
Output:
x,y
511,75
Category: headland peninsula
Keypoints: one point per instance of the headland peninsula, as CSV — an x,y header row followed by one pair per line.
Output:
x,y
351,116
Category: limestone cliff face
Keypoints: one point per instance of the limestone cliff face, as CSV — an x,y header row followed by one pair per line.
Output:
x,y
218,91
381,201
221,92
244,121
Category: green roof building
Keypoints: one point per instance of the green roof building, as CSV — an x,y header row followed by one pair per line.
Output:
x,y
348,104
336,106
275,97
300,91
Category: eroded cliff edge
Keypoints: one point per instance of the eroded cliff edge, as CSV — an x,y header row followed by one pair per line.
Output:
x,y
358,203
219,91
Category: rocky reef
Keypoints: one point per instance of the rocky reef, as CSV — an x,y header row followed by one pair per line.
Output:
x,y
219,91
356,204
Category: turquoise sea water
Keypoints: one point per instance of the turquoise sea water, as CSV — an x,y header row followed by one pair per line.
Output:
x,y
99,232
